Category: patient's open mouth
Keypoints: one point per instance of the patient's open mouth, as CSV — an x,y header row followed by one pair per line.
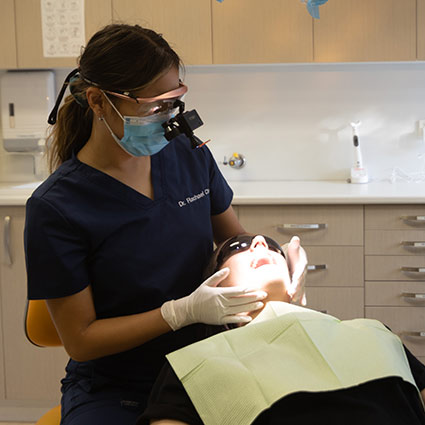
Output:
x,y
261,262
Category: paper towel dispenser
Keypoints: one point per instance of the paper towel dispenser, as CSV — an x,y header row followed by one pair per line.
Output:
x,y
26,100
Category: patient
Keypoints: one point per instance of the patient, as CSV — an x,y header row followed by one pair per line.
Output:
x,y
385,399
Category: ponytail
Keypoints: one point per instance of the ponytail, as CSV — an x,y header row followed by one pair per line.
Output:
x,y
70,133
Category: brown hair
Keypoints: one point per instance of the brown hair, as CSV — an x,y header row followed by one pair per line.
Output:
x,y
214,263
120,58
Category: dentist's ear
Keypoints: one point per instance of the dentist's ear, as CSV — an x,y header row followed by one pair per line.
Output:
x,y
96,100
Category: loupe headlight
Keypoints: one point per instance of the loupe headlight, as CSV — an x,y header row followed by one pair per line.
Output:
x,y
184,123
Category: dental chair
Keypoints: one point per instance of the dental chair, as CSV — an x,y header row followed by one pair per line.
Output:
x,y
41,331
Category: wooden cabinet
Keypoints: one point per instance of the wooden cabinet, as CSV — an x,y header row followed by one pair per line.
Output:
x,y
31,374
366,30
237,31
7,35
336,266
343,303
420,22
29,33
332,236
251,31
364,261
185,24
395,270
316,225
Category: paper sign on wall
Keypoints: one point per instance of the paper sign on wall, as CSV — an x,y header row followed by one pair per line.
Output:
x,y
62,23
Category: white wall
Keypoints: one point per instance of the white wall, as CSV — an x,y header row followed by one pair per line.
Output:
x,y
292,121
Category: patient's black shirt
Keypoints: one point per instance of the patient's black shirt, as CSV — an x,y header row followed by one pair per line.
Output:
x,y
386,401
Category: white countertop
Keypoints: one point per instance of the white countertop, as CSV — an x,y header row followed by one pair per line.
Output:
x,y
327,192
16,193
283,192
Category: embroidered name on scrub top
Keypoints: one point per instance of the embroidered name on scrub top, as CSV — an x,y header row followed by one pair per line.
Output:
x,y
233,376
194,198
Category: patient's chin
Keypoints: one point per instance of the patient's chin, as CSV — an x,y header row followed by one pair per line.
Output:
x,y
273,282
276,291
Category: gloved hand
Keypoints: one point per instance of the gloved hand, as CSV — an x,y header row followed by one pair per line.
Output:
x,y
213,305
297,264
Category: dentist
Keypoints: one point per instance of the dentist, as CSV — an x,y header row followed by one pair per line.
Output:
x,y
111,243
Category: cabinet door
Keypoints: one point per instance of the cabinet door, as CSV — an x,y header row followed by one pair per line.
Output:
x,y
395,217
334,266
421,29
185,24
7,35
343,303
366,30
31,373
251,31
29,36
3,261
317,225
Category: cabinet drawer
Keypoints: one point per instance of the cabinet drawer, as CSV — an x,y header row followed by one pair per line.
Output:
x,y
343,303
401,294
402,320
315,225
393,217
344,266
389,267
395,242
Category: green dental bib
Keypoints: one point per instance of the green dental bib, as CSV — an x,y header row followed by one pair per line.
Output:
x,y
235,375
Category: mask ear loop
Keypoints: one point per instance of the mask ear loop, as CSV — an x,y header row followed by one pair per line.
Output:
x,y
112,104
53,115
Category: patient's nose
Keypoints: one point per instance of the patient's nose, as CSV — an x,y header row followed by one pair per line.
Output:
x,y
258,242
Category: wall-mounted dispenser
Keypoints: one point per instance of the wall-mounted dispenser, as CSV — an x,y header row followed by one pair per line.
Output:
x,y
27,98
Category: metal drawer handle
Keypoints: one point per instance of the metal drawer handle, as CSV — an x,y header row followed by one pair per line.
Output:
x,y
305,226
413,269
417,218
412,244
413,295
420,334
6,241
312,267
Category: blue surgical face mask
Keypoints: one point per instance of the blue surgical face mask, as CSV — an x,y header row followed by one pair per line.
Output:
x,y
143,136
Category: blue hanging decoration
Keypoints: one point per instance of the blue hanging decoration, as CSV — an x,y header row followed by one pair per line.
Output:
x,y
313,7
220,1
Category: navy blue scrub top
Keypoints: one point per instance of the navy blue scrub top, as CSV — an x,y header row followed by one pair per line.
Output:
x,y
84,227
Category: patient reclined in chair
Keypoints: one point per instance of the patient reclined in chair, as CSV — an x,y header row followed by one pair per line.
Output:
x,y
289,365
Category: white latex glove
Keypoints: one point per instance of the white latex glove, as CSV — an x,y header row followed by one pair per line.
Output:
x,y
213,305
297,263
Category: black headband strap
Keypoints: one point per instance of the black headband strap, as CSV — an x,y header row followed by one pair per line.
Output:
x,y
54,113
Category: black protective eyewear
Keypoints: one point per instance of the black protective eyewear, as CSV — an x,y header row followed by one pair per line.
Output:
x,y
242,243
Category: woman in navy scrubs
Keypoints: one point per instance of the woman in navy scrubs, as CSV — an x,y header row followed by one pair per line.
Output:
x,y
117,237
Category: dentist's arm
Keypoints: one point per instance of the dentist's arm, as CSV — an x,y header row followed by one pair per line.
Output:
x,y
226,225
86,338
